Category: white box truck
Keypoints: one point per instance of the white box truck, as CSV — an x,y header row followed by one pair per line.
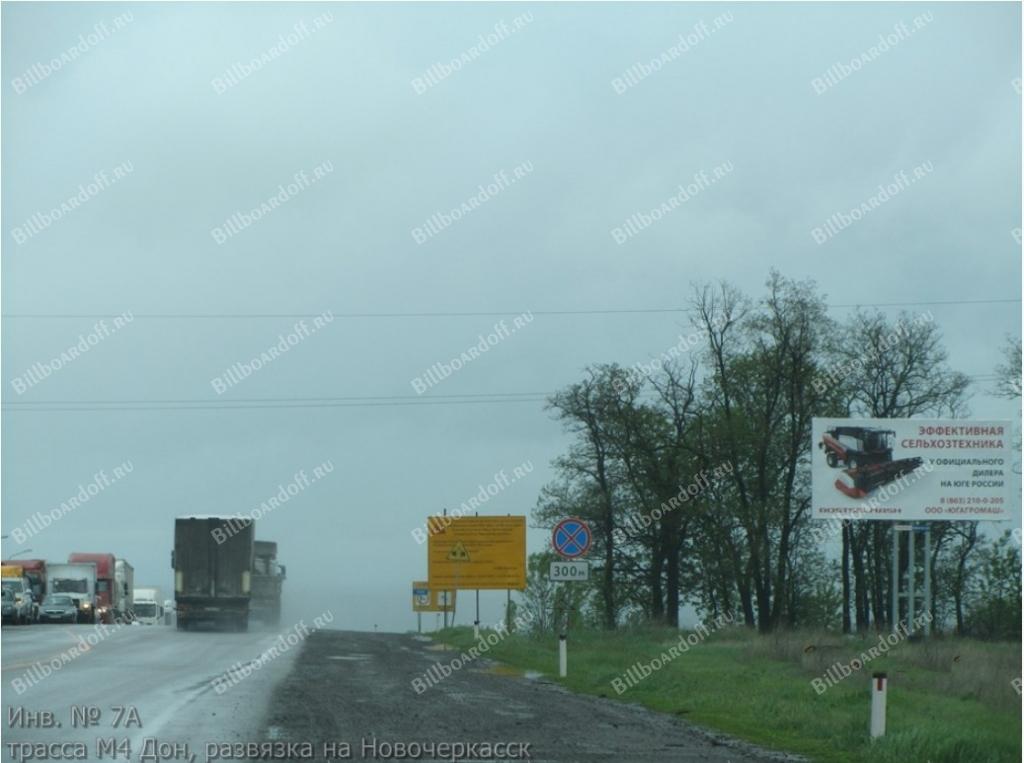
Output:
x,y
77,580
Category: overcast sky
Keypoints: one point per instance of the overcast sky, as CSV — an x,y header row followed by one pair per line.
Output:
x,y
161,95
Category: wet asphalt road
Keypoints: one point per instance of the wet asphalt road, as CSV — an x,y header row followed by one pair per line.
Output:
x,y
334,686
165,675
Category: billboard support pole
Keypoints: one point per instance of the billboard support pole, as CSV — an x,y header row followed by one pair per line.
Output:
x,y
455,594
928,579
563,637
444,611
911,575
895,578
476,622
508,606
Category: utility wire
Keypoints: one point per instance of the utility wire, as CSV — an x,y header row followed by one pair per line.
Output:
x,y
468,314
374,400
280,406
300,399
352,401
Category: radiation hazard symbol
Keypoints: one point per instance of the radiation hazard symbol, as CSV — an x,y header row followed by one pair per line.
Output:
x,y
458,553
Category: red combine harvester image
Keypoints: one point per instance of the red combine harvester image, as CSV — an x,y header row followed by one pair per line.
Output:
x,y
857,446
868,455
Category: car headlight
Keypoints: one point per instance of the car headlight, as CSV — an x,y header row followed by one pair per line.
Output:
x,y
86,605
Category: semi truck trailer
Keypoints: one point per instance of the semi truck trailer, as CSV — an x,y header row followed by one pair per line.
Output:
x,y
212,562
124,590
267,580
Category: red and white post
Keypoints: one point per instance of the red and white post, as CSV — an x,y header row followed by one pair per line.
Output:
x,y
879,687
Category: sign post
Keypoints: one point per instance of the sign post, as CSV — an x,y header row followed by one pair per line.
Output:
x,y
895,577
911,579
508,610
570,539
420,596
928,579
910,594
476,620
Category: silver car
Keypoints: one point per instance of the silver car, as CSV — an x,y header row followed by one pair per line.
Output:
x,y
58,608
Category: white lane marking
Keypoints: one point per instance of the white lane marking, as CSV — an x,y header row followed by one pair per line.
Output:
x,y
353,657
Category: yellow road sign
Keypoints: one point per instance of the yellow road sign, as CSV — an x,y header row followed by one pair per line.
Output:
x,y
476,552
426,599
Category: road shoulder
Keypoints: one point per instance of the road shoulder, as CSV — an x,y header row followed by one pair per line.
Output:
x,y
366,690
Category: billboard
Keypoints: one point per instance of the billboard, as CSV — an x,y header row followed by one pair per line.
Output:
x,y
476,552
913,469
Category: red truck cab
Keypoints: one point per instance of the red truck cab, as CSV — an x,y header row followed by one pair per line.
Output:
x,y
104,582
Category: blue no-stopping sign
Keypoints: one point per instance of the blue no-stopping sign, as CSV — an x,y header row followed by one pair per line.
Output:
x,y
571,538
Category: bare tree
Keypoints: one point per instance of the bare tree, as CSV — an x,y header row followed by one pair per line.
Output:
x,y
1008,374
759,401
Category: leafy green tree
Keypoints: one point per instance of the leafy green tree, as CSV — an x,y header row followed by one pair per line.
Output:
x,y
995,605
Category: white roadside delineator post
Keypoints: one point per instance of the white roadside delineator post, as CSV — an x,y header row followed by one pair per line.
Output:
x,y
563,655
879,686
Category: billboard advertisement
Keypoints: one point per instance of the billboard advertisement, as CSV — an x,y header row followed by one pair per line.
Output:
x,y
913,469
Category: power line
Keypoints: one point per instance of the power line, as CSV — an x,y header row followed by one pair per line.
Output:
x,y
42,408
351,401
217,316
937,302
467,314
298,399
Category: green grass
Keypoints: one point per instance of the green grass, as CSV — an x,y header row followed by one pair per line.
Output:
x,y
950,701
